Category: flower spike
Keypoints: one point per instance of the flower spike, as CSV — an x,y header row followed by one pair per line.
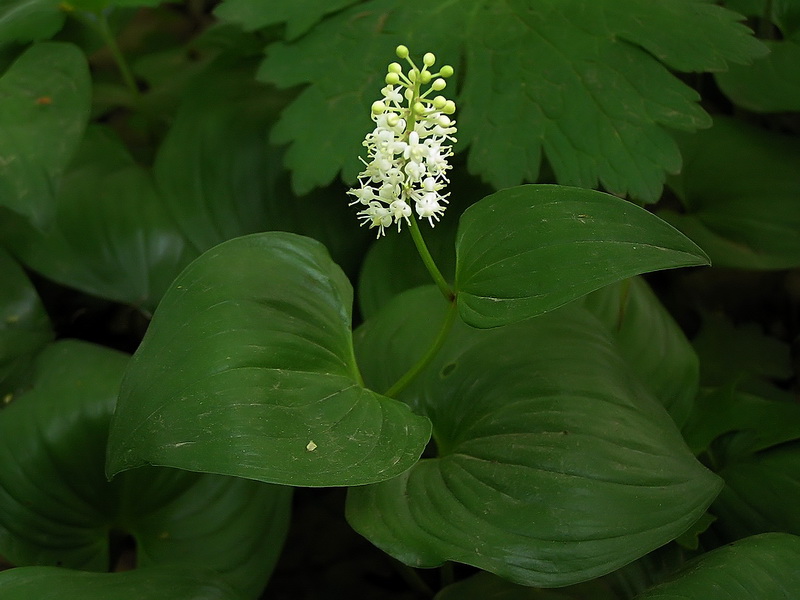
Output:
x,y
407,151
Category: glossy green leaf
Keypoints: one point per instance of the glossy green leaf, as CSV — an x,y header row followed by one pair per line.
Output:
x,y
771,84
214,169
57,508
526,250
740,186
299,18
583,83
112,236
650,340
151,583
247,369
544,439
44,106
25,21
484,586
24,327
763,567
761,493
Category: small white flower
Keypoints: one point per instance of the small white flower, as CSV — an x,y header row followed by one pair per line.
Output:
x,y
408,148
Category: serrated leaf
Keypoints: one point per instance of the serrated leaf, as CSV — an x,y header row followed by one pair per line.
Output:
x,y
651,342
740,187
151,583
111,236
544,438
771,84
763,567
249,359
24,327
583,83
44,107
25,21
58,508
526,250
299,17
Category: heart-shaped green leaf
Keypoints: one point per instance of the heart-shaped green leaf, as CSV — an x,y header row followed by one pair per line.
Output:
x,y
24,326
763,567
150,583
545,441
44,106
740,186
57,508
248,369
653,344
25,21
112,236
527,250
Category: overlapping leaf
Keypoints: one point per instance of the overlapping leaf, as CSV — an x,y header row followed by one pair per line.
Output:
x,y
247,369
763,567
583,83
58,508
740,187
44,107
483,586
112,236
526,250
29,20
544,438
24,326
651,342
151,583
298,17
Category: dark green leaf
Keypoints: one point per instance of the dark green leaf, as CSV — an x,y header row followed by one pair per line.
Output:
x,y
299,17
763,567
24,327
249,361
740,186
544,439
527,250
151,583
770,84
651,341
112,236
57,508
44,106
29,20
485,586
761,493
582,82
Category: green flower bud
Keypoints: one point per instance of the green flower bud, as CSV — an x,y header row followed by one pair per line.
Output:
x,y
428,59
425,76
446,71
401,51
449,107
444,121
419,108
439,102
439,84
392,78
378,107
395,68
413,74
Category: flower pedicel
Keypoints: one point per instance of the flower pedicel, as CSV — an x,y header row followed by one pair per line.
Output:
x,y
408,149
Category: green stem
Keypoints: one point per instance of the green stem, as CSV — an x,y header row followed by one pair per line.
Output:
x,y
437,344
119,58
427,259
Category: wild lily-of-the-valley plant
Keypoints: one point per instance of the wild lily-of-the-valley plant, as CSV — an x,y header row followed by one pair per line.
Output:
x,y
515,406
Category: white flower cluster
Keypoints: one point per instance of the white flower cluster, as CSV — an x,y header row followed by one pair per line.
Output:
x,y
408,149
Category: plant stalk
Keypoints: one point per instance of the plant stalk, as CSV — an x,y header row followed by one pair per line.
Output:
x,y
427,259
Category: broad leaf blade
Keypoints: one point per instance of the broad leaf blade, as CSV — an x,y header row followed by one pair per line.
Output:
x,y
58,508
527,250
25,21
299,18
484,586
249,360
544,440
44,106
24,327
152,583
763,567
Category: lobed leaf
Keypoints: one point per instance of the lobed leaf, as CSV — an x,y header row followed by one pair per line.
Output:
x,y
526,250
248,370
